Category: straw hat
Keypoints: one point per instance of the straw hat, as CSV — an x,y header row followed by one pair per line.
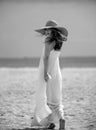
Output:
x,y
51,24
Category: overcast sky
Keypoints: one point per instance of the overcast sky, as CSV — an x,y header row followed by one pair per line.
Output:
x,y
19,19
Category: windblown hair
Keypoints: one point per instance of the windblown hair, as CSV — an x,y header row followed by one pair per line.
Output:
x,y
57,37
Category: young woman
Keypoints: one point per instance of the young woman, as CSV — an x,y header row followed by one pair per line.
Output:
x,y
49,107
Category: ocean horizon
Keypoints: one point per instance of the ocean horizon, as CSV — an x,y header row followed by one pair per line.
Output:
x,y
34,62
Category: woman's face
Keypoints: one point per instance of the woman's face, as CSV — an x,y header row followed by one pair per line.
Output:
x,y
47,32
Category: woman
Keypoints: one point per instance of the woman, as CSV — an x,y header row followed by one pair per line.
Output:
x,y
49,108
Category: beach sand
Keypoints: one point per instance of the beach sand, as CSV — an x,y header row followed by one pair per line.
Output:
x,y
17,97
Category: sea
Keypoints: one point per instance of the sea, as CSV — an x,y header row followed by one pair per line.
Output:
x,y
65,62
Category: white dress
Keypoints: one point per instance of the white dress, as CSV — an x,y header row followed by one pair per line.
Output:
x,y
49,95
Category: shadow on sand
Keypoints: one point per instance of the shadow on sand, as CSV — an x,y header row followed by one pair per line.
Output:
x,y
30,129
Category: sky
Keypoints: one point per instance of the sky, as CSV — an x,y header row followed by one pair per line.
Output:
x,y
19,19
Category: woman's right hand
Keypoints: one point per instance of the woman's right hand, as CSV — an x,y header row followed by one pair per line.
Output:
x,y
47,77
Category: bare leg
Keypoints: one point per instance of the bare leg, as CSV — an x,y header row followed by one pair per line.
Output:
x,y
61,124
57,116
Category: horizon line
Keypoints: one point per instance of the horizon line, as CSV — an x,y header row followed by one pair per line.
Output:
x,y
39,57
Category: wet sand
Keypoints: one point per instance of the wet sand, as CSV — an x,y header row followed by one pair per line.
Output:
x,y
17,93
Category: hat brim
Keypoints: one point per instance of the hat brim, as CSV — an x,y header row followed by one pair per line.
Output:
x,y
62,30
42,30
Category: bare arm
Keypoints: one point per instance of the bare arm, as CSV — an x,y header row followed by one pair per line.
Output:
x,y
48,48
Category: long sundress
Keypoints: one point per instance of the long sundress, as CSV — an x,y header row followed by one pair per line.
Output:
x,y
49,94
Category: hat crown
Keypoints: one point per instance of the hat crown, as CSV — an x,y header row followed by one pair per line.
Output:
x,y
51,23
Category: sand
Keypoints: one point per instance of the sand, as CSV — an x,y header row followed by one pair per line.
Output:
x,y
17,93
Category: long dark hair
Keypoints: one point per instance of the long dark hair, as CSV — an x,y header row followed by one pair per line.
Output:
x,y
57,37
